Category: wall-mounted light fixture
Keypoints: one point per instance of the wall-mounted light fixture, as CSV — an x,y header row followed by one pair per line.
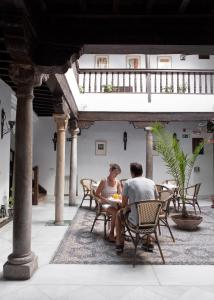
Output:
x,y
125,139
6,127
54,140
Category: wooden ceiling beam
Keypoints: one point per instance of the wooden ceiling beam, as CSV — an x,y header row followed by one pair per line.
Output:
x,y
184,5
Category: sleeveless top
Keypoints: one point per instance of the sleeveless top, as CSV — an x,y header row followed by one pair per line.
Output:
x,y
109,191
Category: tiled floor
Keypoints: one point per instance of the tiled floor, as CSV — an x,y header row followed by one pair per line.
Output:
x,y
97,282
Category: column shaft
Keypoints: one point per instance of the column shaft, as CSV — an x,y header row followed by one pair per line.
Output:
x,y
73,168
22,262
149,157
61,121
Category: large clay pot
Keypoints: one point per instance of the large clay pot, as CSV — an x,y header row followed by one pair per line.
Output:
x,y
189,223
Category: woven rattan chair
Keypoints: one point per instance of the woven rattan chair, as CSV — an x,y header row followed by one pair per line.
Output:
x,y
165,197
176,196
87,188
101,213
148,215
192,196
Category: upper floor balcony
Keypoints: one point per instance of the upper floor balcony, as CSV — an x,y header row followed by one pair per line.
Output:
x,y
146,81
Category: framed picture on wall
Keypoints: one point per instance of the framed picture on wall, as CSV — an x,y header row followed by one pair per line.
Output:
x,y
100,147
101,61
133,62
164,62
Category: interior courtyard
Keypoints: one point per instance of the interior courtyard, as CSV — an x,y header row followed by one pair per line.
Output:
x,y
83,85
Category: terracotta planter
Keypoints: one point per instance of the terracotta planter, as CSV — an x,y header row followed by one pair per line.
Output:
x,y
189,223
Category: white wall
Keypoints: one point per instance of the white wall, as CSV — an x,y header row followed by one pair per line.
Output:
x,y
96,167
44,155
120,61
5,103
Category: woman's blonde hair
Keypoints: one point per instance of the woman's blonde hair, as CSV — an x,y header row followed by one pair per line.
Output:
x,y
115,167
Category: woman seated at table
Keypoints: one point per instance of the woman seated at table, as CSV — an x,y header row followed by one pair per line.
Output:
x,y
106,189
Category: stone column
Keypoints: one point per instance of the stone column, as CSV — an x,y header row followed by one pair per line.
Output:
x,y
149,157
61,122
22,262
73,167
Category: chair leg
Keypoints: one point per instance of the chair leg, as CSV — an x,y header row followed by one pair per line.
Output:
x,y
167,225
105,223
95,219
198,206
82,201
159,247
90,201
159,229
135,248
194,208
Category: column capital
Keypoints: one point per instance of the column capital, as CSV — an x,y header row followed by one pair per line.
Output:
x,y
26,77
74,132
61,121
148,128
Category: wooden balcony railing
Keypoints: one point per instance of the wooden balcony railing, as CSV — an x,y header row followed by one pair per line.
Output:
x,y
150,81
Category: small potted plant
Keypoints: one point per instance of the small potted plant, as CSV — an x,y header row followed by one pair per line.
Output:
x,y
81,89
168,89
180,166
108,88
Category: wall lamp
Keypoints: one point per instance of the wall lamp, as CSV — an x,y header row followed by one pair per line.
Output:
x,y
54,140
6,127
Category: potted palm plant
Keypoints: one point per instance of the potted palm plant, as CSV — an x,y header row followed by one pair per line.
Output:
x,y
179,166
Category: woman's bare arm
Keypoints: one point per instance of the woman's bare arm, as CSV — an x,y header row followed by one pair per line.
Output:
x,y
99,191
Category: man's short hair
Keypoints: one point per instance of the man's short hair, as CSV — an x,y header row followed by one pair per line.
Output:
x,y
136,169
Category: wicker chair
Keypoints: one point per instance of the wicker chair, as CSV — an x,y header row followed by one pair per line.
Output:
x,y
148,216
192,196
176,196
87,188
165,197
101,211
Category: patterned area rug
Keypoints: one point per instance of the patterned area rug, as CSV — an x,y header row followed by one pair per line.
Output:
x,y
79,246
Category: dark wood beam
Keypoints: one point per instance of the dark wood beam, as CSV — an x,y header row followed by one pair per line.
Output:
x,y
183,6
145,117
149,6
116,6
59,87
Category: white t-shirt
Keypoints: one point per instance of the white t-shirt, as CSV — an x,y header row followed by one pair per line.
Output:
x,y
138,189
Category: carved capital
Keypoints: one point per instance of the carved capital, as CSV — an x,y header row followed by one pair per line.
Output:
x,y
148,128
74,132
26,77
61,121
73,124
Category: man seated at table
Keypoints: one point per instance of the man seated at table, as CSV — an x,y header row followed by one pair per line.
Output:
x,y
135,189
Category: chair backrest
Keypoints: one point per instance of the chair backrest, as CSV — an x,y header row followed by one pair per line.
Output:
x,y
198,185
86,184
97,200
193,190
165,197
148,212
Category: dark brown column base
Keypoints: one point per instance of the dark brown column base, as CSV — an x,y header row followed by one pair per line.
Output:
x,y
20,272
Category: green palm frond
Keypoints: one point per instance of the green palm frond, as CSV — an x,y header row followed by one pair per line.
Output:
x,y
179,165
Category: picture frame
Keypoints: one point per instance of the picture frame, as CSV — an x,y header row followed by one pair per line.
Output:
x,y
133,62
164,62
100,147
101,61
